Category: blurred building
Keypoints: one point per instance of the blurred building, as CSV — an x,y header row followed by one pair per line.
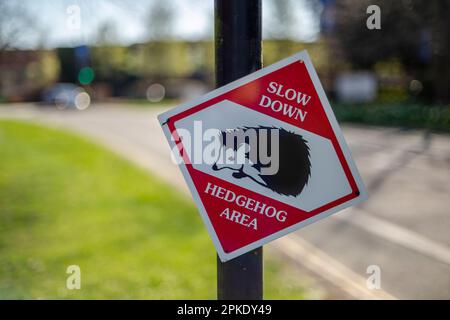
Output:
x,y
24,73
184,68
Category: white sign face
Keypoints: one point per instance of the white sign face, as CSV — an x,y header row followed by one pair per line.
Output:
x,y
263,156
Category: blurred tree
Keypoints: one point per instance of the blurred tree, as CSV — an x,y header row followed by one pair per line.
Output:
x,y
15,24
107,33
282,20
23,72
160,20
416,32
109,59
280,25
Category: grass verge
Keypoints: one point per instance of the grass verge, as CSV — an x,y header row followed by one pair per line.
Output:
x,y
65,201
407,115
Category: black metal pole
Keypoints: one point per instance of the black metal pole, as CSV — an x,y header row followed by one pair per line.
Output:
x,y
238,52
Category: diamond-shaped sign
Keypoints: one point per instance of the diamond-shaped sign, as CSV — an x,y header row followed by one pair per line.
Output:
x,y
263,156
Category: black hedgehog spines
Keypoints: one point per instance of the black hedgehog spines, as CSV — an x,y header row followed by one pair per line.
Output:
x,y
294,169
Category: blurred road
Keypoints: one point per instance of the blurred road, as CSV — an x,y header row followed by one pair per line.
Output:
x,y
404,227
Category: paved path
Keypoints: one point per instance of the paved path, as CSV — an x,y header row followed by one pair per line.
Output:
x,y
403,228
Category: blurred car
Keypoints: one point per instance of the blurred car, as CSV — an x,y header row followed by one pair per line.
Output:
x,y
66,96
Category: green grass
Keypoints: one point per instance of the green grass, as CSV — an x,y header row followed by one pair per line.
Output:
x,y
144,103
402,114
64,201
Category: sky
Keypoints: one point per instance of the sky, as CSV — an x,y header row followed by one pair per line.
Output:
x,y
193,20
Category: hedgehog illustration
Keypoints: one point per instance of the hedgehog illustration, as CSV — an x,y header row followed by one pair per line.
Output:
x,y
294,166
